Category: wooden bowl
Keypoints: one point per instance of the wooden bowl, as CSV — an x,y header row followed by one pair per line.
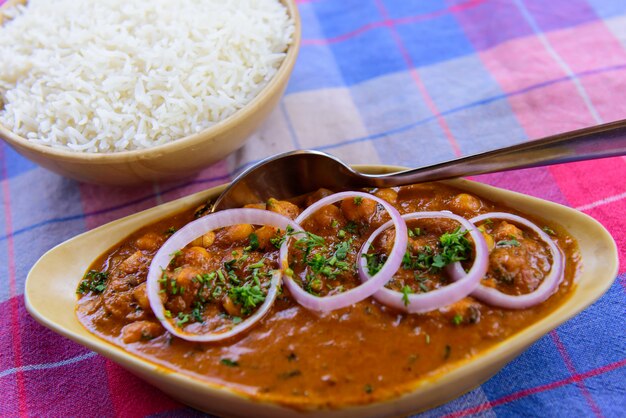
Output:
x,y
51,299
177,159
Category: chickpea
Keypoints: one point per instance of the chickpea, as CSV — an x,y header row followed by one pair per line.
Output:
x,y
465,311
506,231
283,207
509,260
466,203
237,233
389,195
256,206
205,240
141,296
141,330
176,304
356,208
230,307
134,263
118,304
326,215
264,235
149,242
195,256
185,279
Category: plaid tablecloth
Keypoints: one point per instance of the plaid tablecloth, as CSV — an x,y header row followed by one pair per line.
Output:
x,y
377,81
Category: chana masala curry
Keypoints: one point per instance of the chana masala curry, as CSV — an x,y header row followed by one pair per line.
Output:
x,y
355,346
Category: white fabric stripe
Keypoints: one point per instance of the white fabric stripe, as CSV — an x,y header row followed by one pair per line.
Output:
x,y
581,90
44,366
601,202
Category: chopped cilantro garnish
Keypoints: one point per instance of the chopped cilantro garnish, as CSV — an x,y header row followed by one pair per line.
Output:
x,y
548,230
508,243
247,296
406,291
351,227
170,231
375,262
182,319
196,312
457,320
342,250
452,246
415,232
254,242
228,362
368,388
357,200
94,281
257,265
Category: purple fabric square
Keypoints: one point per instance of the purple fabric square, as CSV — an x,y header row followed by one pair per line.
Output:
x,y
493,22
558,14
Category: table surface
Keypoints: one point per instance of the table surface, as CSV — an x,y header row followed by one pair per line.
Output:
x,y
377,81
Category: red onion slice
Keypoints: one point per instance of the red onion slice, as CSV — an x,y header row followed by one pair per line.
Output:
x,y
194,230
438,298
357,294
547,288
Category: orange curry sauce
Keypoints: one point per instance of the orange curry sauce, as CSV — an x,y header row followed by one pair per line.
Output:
x,y
363,353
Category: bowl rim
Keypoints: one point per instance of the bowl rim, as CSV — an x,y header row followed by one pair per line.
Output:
x,y
503,351
280,77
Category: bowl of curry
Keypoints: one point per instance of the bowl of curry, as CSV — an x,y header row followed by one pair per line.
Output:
x,y
366,358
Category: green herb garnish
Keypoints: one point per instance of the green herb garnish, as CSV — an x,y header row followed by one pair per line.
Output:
x,y
254,242
94,281
406,291
247,296
228,362
508,243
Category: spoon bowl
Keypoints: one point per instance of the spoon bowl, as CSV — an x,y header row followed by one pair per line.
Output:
x,y
295,173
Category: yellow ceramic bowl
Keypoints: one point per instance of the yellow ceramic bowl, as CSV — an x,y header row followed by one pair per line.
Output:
x,y
174,160
51,298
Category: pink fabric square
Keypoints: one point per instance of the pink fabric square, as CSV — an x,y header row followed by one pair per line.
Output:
x,y
521,63
536,182
606,90
600,195
587,47
132,397
551,109
602,179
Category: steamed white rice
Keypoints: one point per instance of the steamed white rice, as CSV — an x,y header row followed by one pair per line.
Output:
x,y
116,75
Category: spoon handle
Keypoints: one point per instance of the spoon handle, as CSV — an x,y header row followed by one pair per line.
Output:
x,y
607,140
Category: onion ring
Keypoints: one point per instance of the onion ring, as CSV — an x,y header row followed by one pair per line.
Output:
x,y
194,230
547,287
357,294
438,298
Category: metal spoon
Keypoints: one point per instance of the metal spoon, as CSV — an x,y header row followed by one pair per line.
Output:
x,y
296,173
